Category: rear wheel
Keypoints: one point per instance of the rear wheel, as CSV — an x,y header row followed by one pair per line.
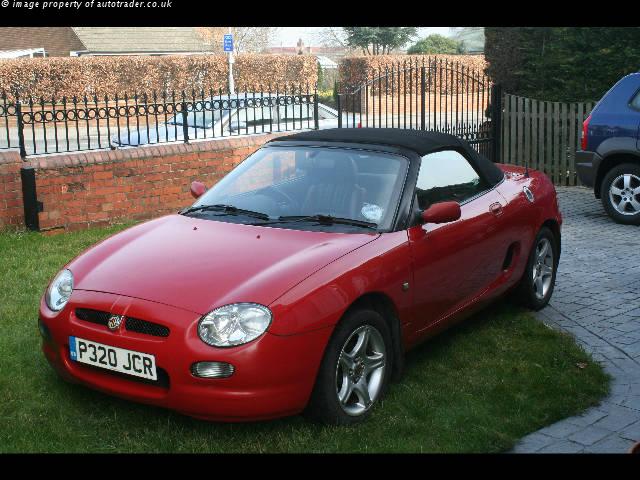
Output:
x,y
539,278
355,370
620,193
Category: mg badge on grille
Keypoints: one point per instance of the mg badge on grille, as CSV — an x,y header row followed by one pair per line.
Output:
x,y
115,321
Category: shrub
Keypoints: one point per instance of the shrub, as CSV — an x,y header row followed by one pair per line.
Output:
x,y
110,75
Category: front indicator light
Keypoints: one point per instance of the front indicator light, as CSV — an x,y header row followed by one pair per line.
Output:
x,y
212,369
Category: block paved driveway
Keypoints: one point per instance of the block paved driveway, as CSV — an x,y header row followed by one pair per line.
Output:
x,y
597,300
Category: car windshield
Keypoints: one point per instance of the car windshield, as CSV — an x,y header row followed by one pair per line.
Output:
x,y
297,187
203,119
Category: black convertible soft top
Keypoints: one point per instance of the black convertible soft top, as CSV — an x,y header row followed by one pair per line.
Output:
x,y
421,142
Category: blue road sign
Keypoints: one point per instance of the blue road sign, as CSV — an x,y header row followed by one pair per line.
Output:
x,y
228,43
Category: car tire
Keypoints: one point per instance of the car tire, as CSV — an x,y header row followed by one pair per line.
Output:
x,y
347,374
619,200
539,277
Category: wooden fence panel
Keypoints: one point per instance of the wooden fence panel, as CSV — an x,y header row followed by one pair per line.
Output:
x,y
534,134
504,143
573,125
512,132
543,134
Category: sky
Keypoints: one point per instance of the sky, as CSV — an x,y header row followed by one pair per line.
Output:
x,y
288,36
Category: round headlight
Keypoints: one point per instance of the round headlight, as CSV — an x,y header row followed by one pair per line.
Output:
x,y
234,324
59,290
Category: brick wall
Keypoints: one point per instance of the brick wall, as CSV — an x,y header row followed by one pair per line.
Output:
x,y
11,210
97,188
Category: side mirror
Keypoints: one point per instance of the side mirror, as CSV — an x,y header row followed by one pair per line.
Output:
x,y
198,189
442,212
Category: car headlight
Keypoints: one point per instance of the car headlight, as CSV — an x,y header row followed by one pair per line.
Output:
x,y
59,290
234,324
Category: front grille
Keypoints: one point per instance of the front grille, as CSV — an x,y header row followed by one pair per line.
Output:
x,y
162,381
130,324
93,316
147,328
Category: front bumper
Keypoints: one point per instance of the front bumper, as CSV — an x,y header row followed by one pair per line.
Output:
x,y
587,167
273,377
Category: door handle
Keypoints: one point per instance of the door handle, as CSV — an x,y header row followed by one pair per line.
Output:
x,y
495,208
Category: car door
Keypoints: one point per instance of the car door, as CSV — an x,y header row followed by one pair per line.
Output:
x,y
635,105
453,263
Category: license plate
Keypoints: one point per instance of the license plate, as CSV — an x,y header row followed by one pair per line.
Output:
x,y
113,358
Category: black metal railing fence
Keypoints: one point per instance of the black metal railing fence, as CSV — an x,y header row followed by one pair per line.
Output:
x,y
426,94
52,125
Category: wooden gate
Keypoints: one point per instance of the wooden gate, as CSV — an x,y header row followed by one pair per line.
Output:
x,y
546,134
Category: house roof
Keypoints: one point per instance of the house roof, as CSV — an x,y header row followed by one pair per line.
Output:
x,y
141,39
57,41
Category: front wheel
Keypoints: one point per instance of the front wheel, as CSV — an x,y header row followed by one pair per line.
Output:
x,y
355,370
539,278
620,193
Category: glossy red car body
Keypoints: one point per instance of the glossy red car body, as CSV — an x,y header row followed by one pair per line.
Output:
x,y
307,278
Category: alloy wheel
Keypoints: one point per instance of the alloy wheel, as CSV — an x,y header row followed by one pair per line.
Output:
x,y
543,268
360,370
623,194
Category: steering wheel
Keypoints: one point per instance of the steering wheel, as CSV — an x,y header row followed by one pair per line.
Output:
x,y
288,202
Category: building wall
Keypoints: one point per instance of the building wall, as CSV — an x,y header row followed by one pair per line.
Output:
x,y
82,190
57,41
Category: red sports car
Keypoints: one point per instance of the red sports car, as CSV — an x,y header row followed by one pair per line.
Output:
x,y
298,282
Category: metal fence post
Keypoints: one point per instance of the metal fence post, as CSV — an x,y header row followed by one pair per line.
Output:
x,y
23,150
185,121
339,105
423,89
496,121
316,115
29,198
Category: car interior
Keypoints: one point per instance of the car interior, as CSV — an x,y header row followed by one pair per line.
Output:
x,y
349,184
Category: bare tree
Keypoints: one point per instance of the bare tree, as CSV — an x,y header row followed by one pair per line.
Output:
x,y
332,37
252,39
245,39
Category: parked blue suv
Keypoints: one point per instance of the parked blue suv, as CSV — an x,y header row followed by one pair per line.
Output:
x,y
609,160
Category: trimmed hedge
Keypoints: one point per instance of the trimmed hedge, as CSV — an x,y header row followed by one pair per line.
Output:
x,y
355,70
110,75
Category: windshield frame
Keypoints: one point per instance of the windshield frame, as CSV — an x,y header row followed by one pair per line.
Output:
x,y
398,221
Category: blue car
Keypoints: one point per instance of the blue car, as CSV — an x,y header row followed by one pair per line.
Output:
x,y
609,159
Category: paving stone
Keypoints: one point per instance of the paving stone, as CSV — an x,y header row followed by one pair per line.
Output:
x,y
589,435
611,444
563,446
632,432
533,443
602,312
590,417
617,421
561,429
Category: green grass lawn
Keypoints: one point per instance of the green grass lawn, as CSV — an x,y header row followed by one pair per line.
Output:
x,y
477,388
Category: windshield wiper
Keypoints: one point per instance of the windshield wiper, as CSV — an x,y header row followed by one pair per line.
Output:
x,y
226,210
322,219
